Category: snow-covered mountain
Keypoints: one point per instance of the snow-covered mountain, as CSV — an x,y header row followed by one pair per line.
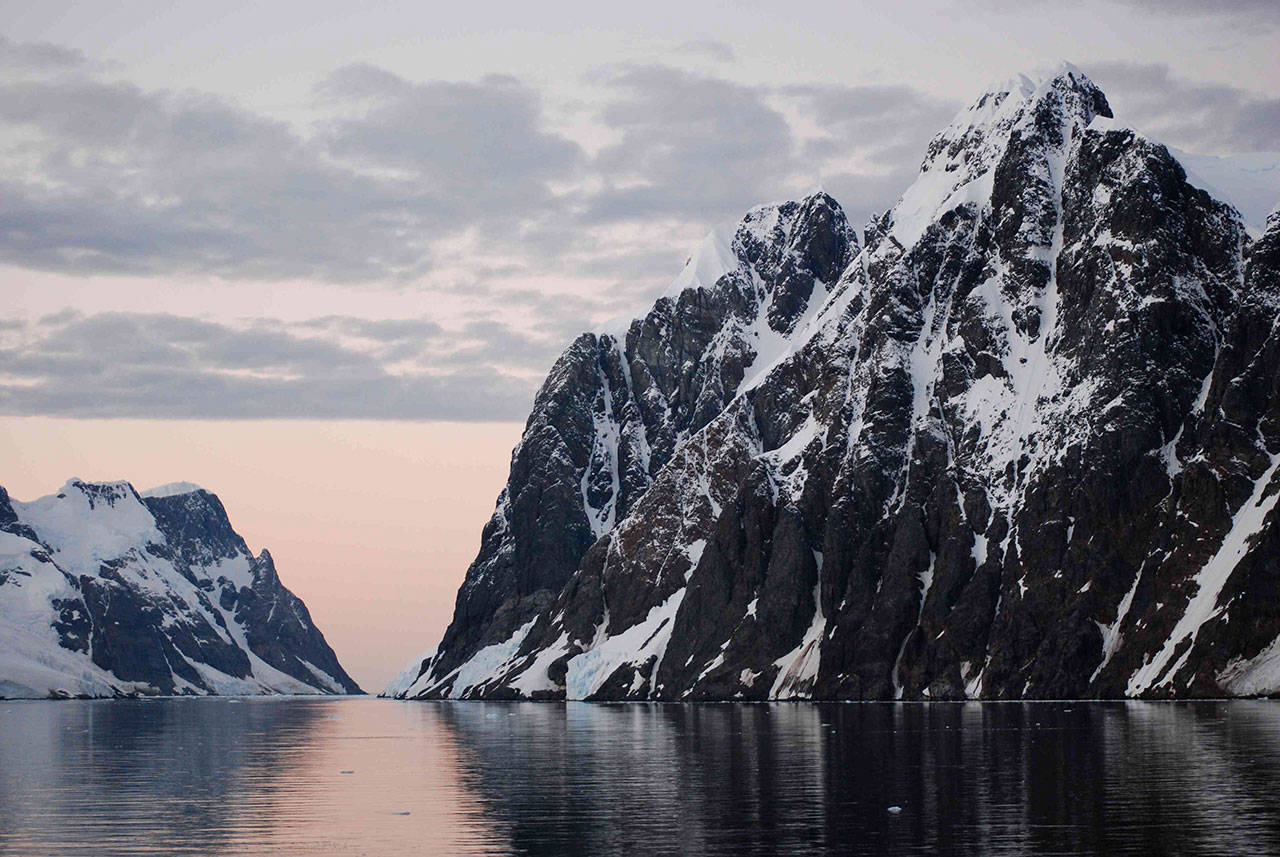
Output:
x,y
1019,441
108,592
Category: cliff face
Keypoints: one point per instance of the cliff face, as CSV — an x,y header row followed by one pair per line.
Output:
x,y
106,592
1018,442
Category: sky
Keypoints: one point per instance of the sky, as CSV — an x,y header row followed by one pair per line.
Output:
x,y
317,258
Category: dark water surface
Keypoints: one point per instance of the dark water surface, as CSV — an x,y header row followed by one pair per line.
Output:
x,y
364,776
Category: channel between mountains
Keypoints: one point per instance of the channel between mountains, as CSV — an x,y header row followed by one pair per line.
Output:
x,y
1020,440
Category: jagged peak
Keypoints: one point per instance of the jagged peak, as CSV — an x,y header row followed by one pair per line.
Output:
x,y
98,492
726,247
1026,88
1025,84
960,160
711,260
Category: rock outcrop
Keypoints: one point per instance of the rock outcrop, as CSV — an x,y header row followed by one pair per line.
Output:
x,y
1020,441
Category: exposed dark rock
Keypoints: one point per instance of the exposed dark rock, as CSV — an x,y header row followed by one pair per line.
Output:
x,y
1022,444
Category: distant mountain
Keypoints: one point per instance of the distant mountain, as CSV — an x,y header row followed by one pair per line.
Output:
x,y
108,592
1019,441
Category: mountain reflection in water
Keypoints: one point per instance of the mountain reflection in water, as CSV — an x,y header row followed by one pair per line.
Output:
x,y
366,776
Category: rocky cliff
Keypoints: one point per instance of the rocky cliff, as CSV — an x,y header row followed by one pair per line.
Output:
x,y
1017,442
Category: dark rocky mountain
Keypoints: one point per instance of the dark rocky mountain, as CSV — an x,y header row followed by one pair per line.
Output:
x,y
1018,442
106,592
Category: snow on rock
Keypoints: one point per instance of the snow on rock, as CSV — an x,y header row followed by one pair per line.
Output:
x,y
959,168
105,592
1208,582
713,258
995,449
400,685
172,489
588,671
1249,181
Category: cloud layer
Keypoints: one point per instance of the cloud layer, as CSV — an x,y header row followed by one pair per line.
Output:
x,y
168,366
102,176
527,220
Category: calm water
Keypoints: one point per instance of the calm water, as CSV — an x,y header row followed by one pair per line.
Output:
x,y
364,776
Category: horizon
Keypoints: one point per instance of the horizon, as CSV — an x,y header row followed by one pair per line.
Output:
x,y
344,353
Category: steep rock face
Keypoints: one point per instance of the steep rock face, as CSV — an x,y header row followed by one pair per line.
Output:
x,y
105,592
1020,445
617,404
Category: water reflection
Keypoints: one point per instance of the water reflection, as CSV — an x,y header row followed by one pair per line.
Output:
x,y
797,779
375,777
230,777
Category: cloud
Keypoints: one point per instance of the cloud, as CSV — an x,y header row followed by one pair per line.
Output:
x,y
868,140
105,177
397,181
695,145
710,49
1263,9
1204,117
479,146
1228,11
17,57
464,190
392,330
168,366
689,145
888,125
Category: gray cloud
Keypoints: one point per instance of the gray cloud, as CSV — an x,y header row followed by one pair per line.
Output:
x,y
478,145
699,146
868,194
1255,10
102,176
711,49
691,145
148,182
886,127
167,366
389,330
1190,114
891,125
1264,9
38,56
107,177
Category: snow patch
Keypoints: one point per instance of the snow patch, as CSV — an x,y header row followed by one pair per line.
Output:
x,y
588,671
1203,606
172,489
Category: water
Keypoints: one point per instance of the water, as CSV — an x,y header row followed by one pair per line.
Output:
x,y
364,776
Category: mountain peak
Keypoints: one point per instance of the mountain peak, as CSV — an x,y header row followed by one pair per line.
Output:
x,y
1051,105
728,246
106,491
1025,84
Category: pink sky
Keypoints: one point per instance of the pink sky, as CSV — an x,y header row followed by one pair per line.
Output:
x,y
372,524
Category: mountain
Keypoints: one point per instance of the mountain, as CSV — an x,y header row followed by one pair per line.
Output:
x,y
108,592
1019,441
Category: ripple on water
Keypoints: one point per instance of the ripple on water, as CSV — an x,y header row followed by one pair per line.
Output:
x,y
365,776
